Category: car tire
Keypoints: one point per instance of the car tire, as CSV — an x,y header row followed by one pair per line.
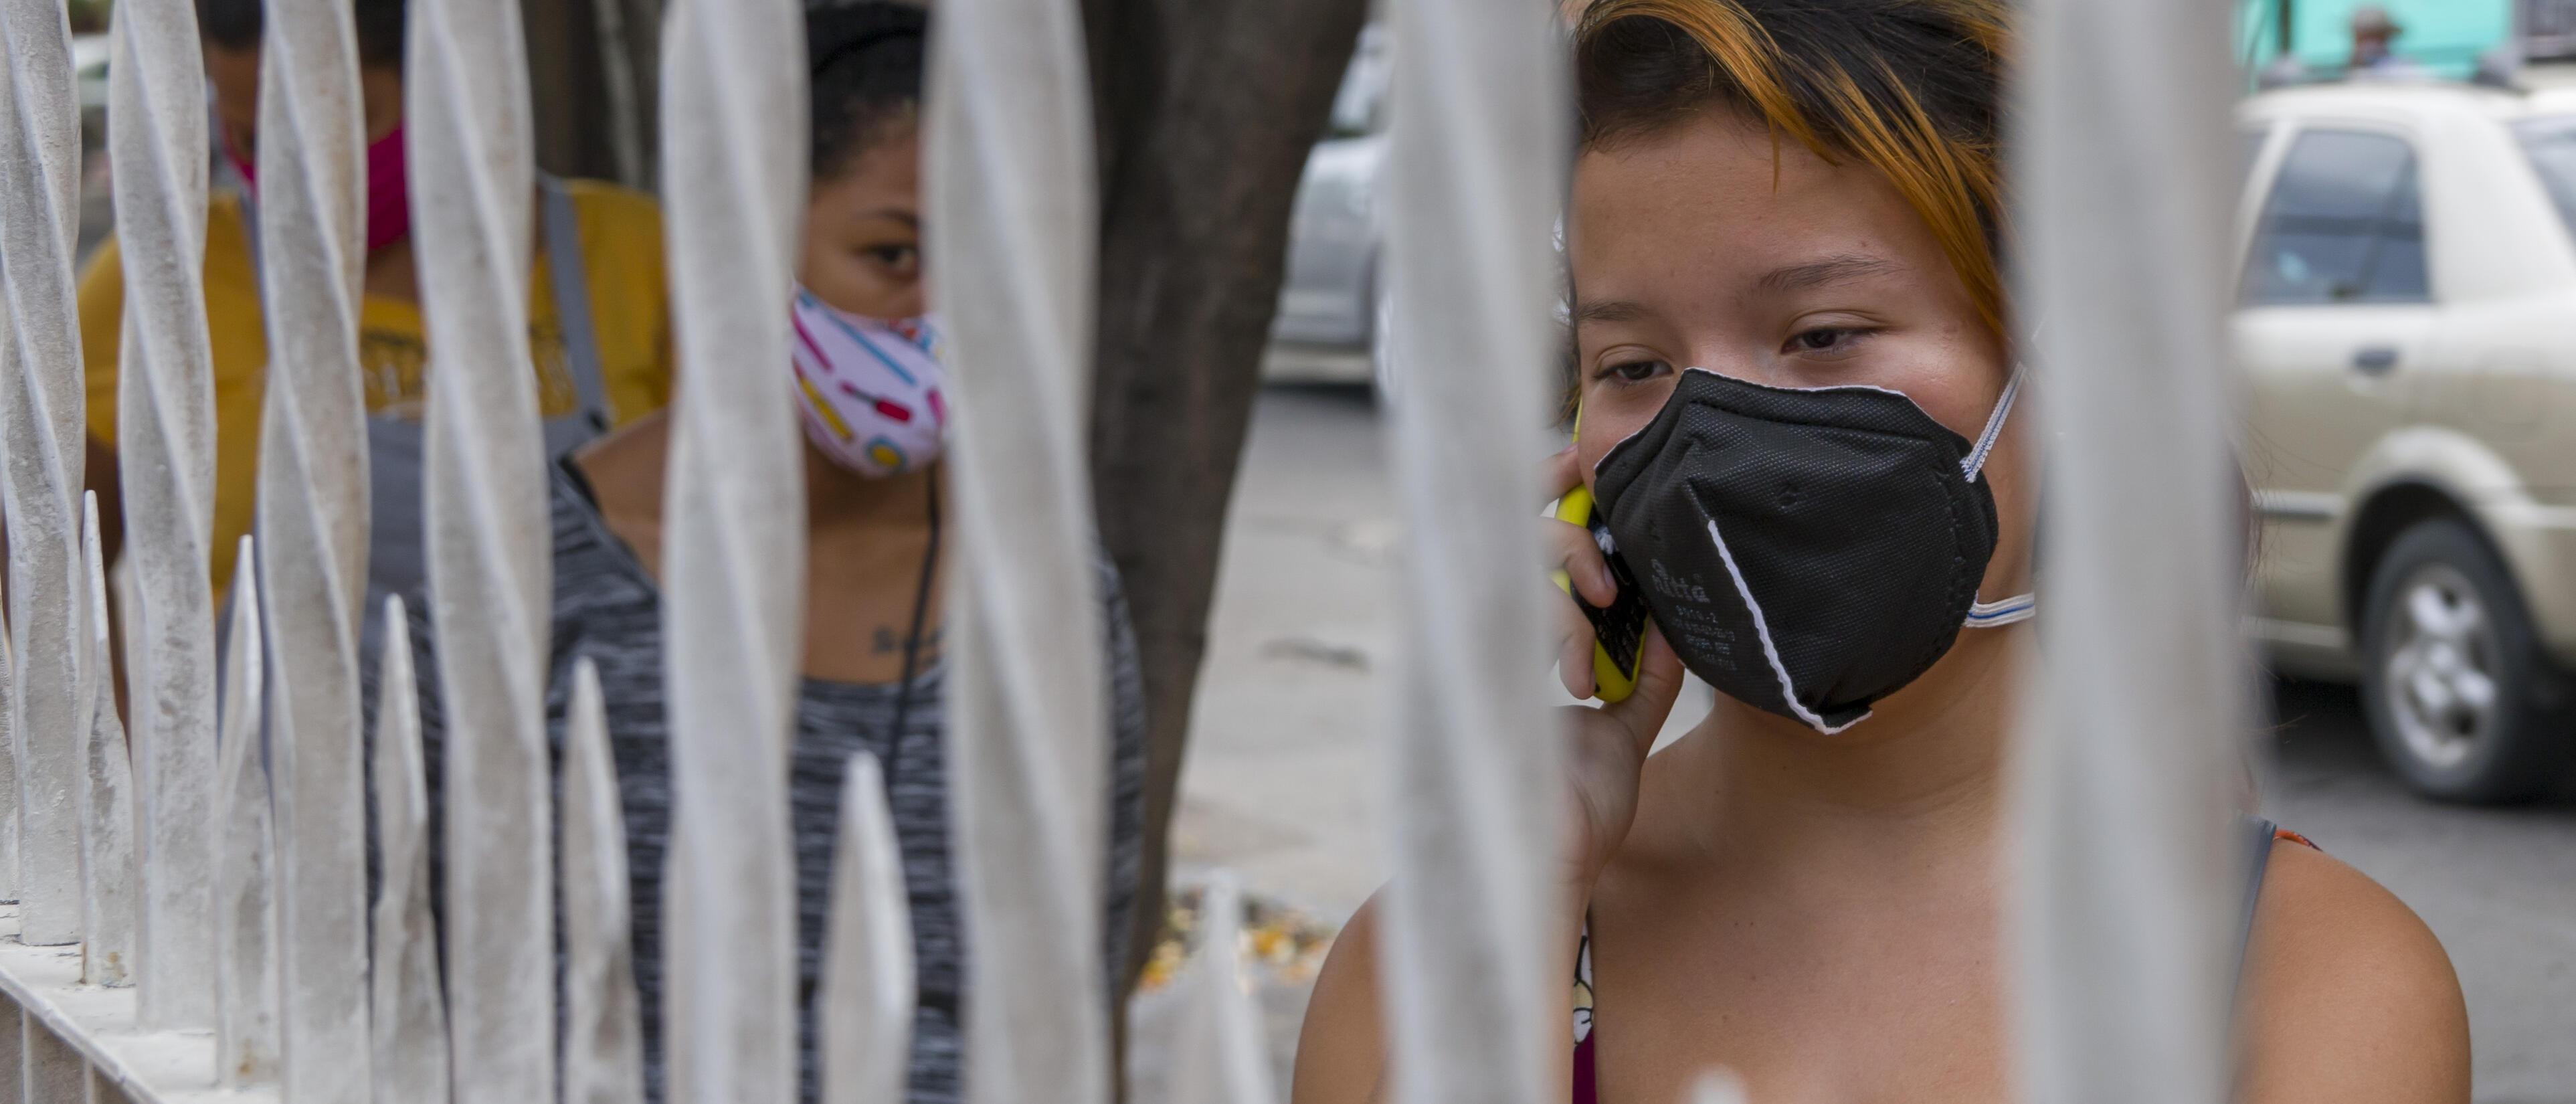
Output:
x,y
2462,701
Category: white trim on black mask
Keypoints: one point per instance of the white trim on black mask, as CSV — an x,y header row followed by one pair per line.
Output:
x,y
1981,615
1771,651
2021,607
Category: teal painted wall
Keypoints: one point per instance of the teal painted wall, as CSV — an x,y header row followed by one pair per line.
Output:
x,y
2445,36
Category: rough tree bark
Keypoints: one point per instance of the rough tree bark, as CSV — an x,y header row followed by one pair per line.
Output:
x,y
1206,110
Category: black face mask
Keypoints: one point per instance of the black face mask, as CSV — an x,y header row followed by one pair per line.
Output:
x,y
1807,552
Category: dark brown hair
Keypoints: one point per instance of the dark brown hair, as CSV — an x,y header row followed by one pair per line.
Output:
x,y
865,60
236,24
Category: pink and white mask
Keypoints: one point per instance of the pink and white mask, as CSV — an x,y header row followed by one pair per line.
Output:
x,y
869,388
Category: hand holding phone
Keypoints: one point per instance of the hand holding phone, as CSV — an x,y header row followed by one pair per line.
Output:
x,y
1618,632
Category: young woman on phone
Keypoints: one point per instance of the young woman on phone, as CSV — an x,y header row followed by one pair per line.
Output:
x,y
1796,386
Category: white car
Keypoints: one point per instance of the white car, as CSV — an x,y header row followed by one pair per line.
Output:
x,y
2406,333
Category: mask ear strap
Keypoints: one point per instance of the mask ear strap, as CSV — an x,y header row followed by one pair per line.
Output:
x,y
1976,459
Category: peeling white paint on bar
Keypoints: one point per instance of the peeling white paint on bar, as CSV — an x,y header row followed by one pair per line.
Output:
x,y
733,551
410,1018
2126,881
312,518
41,454
245,917
1010,177
866,1002
156,132
106,801
603,1056
490,544
1475,171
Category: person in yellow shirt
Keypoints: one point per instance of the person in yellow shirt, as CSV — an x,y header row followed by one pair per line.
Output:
x,y
598,329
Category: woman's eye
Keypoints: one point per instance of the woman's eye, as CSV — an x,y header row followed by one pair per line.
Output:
x,y
893,256
1635,371
1824,339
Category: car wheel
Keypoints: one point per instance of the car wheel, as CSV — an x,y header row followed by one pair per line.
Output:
x,y
2460,696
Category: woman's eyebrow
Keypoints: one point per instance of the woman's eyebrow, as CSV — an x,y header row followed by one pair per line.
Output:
x,y
1609,310
1825,273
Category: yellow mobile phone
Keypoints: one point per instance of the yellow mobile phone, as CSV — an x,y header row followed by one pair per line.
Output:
x,y
1619,632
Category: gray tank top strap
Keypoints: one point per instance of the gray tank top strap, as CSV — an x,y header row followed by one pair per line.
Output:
x,y
571,286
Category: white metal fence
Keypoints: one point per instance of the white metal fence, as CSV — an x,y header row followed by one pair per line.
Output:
x,y
197,929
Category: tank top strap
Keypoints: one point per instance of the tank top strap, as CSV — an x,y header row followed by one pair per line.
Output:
x,y
570,277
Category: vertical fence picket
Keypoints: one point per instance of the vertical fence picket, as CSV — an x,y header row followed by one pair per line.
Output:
x,y
490,545
107,788
41,453
246,991
13,1053
868,980
54,1072
1221,1056
409,1021
1717,1086
165,466
1475,172
603,1061
2124,874
733,126
312,518
8,717
1010,177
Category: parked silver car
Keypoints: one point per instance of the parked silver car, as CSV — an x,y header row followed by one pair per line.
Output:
x,y
2406,333
1328,303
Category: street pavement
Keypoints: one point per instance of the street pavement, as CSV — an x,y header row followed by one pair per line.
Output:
x,y
2498,886
1280,782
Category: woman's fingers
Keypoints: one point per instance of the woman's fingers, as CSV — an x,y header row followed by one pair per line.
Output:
x,y
1573,649
1570,549
1659,684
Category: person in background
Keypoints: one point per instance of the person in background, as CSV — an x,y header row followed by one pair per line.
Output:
x,y
598,326
2372,32
866,372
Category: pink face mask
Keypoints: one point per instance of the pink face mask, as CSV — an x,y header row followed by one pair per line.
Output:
x,y
388,188
869,388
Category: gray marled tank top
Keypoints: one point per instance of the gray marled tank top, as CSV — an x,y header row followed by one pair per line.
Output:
x,y
608,608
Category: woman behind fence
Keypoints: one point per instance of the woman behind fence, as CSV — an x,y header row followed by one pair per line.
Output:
x,y
867,376
1795,405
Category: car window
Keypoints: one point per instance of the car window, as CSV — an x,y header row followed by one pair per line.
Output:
x,y
2551,145
2344,224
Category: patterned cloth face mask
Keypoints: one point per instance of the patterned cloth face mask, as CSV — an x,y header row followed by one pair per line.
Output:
x,y
869,388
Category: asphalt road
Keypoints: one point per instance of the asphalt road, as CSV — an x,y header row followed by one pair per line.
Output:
x,y
2497,885
1278,786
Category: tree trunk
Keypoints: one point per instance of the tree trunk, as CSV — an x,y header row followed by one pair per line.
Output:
x,y
586,109
1206,111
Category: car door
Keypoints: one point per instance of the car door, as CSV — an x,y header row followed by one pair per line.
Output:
x,y
2336,317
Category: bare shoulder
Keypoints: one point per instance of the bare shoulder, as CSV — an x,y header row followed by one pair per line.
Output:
x,y
1341,1049
2347,996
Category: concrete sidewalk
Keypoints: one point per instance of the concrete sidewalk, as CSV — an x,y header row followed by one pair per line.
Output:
x,y
1279,780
